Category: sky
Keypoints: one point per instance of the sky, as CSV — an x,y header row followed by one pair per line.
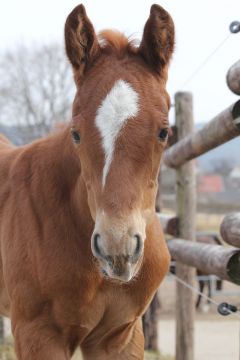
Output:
x,y
200,27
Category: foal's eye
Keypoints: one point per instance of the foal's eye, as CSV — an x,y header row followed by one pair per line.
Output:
x,y
75,136
163,134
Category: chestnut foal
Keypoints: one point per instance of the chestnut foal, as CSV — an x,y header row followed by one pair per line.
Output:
x,y
88,193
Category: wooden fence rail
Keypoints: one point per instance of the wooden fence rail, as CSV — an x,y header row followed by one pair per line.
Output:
x,y
230,229
170,224
233,78
218,260
221,129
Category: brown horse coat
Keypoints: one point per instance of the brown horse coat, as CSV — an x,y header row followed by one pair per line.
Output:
x,y
51,286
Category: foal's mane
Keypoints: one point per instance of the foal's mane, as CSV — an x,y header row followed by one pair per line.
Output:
x,y
117,43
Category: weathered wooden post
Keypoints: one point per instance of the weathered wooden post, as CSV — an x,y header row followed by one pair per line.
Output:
x,y
2,335
151,317
186,212
158,202
150,325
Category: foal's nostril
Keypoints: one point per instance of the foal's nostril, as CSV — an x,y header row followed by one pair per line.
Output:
x,y
97,250
139,245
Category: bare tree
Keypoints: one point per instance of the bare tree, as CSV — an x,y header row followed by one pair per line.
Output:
x,y
36,89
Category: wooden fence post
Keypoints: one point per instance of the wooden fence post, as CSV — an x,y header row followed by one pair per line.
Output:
x,y
2,335
150,325
186,212
151,316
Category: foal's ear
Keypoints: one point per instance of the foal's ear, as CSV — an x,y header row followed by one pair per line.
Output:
x,y
158,38
80,39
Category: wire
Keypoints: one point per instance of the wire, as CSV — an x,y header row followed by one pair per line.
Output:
x,y
193,289
199,68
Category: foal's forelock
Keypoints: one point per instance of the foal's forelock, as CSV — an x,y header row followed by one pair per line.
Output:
x,y
120,105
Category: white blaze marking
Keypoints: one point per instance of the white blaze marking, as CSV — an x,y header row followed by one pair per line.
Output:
x,y
119,105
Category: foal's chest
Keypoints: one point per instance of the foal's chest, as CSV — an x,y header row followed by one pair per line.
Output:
x,y
110,308
108,312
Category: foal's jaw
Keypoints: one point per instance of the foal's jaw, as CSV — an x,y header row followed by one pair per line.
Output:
x,y
118,244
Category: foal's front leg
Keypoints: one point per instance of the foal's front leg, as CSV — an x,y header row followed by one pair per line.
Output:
x,y
35,340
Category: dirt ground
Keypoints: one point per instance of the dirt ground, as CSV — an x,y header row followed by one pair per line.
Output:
x,y
214,339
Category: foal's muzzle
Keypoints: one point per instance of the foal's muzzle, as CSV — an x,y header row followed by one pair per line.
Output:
x,y
119,251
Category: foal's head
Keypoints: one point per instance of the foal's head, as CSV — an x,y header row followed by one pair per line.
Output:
x,y
120,127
